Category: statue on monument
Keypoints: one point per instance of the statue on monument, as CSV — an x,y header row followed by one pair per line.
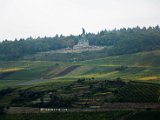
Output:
x,y
82,42
83,31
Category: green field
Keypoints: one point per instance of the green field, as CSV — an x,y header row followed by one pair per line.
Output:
x,y
144,66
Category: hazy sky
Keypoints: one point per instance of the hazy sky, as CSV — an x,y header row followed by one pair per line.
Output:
x,y
24,18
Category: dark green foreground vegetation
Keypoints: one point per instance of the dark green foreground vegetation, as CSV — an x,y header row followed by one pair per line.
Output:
x,y
152,115
148,115
65,116
83,93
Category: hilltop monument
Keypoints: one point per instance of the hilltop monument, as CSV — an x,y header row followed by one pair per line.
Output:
x,y
83,42
82,46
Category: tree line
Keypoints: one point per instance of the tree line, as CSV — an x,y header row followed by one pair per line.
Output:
x,y
121,41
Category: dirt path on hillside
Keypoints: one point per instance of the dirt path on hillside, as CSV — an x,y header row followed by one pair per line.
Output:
x,y
6,74
132,106
110,107
66,70
60,73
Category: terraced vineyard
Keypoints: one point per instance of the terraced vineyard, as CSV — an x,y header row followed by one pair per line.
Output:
x,y
83,93
139,93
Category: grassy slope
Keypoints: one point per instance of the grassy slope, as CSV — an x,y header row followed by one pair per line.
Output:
x,y
151,58
140,66
31,69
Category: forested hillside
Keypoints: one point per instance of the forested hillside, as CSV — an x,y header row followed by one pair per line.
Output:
x,y
121,41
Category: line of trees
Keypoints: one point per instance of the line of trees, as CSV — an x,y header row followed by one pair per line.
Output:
x,y
123,41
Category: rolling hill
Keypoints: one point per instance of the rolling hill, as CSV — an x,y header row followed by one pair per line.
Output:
x,y
144,66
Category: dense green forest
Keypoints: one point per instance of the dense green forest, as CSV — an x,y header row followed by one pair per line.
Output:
x,y
121,41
